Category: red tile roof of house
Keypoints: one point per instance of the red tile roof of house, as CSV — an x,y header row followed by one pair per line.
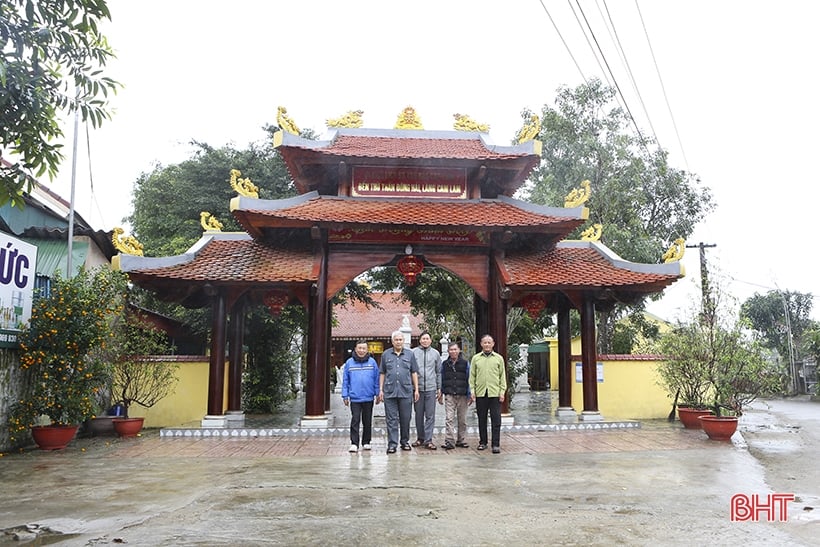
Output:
x,y
501,213
311,162
243,260
355,320
584,265
414,148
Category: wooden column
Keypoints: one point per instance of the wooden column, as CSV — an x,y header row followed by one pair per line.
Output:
x,y
498,327
318,334
482,321
589,356
216,371
235,345
565,372
328,327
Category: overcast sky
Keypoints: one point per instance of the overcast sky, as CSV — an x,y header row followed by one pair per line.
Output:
x,y
738,77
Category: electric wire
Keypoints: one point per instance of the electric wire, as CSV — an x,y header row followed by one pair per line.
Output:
x,y
91,176
614,80
622,54
566,46
663,87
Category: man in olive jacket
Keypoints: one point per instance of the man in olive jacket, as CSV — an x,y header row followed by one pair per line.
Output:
x,y
488,385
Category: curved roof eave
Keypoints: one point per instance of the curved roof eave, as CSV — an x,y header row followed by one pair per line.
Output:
x,y
131,263
670,268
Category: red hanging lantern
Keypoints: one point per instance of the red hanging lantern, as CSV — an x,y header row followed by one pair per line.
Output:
x,y
410,267
276,301
533,304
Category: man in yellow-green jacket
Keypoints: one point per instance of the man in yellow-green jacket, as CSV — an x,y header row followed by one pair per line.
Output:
x,y
488,385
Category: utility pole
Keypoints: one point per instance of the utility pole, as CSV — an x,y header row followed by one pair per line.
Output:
x,y
706,295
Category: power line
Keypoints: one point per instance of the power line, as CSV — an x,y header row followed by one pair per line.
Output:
x,y
612,75
663,87
622,55
569,51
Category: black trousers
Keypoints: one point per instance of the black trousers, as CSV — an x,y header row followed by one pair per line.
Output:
x,y
493,405
361,412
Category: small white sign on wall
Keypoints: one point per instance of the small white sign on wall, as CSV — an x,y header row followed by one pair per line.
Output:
x,y
579,372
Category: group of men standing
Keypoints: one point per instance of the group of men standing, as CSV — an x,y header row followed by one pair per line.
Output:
x,y
408,379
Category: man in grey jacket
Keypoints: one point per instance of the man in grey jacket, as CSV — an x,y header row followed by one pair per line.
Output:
x,y
428,360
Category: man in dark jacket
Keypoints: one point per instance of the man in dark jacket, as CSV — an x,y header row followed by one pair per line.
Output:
x,y
360,388
455,395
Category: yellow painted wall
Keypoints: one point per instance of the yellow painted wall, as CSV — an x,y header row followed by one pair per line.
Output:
x,y
188,404
630,389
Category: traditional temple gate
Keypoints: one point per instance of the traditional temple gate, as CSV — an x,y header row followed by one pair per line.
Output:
x,y
412,199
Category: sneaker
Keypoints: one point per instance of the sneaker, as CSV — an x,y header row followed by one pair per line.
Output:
x,y
482,447
365,447
448,446
496,450
353,448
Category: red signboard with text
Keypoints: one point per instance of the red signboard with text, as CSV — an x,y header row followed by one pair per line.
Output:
x,y
429,237
420,182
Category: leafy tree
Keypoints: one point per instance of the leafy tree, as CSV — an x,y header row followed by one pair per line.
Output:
x,y
786,334
642,202
170,226
52,59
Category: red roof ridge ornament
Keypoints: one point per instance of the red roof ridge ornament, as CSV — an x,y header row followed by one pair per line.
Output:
x,y
410,267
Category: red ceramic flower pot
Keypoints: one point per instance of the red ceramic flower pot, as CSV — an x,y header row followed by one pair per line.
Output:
x,y
719,428
689,416
53,437
128,427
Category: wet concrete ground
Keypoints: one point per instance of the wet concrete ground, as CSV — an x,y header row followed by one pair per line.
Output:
x,y
657,485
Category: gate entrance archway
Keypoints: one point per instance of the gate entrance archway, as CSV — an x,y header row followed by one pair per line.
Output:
x,y
371,197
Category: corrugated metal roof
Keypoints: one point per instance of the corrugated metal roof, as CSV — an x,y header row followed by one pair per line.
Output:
x,y
52,254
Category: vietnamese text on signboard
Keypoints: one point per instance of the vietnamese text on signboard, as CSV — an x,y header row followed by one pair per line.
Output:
x,y
17,267
426,182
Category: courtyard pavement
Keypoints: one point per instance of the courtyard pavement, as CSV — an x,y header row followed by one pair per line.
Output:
x,y
658,484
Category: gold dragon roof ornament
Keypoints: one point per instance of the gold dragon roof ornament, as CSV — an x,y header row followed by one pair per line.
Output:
x,y
209,223
675,251
284,121
593,233
126,244
578,196
243,187
466,123
408,119
351,118
530,130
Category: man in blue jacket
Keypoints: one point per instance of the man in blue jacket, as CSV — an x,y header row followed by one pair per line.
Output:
x,y
360,388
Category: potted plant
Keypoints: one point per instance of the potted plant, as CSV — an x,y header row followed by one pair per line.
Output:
x,y
728,368
740,374
685,374
57,348
139,374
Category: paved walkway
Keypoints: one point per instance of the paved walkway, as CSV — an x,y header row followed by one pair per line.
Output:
x,y
655,485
